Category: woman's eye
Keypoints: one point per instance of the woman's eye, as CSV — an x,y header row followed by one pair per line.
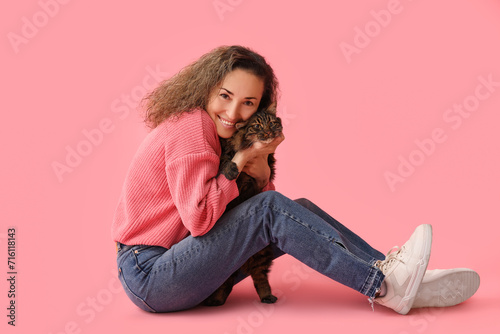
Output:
x,y
224,96
249,103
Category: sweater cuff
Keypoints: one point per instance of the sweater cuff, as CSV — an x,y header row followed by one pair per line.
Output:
x,y
228,188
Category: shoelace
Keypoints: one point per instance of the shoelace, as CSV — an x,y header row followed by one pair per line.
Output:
x,y
392,256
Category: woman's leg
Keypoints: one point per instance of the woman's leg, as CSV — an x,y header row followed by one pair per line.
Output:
x,y
353,242
179,278
160,280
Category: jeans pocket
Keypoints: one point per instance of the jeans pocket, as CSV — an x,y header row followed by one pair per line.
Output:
x,y
146,256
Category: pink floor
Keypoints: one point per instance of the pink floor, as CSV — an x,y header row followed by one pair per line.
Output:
x,y
308,303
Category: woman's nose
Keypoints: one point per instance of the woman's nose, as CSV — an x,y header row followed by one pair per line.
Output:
x,y
233,112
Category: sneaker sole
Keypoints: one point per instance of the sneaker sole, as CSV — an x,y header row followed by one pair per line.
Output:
x,y
450,288
411,292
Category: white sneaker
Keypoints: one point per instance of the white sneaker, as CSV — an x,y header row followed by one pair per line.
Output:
x,y
442,288
405,269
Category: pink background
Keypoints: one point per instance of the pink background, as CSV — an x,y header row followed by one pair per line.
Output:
x,y
349,119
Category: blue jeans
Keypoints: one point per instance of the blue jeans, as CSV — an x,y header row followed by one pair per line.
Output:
x,y
157,279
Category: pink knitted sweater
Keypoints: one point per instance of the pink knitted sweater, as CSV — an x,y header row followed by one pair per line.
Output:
x,y
171,189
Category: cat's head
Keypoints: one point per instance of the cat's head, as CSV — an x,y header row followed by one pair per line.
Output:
x,y
262,126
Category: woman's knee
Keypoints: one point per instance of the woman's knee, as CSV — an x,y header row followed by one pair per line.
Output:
x,y
273,197
267,200
304,202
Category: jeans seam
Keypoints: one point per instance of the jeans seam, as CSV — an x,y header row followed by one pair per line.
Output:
x,y
132,293
371,280
300,222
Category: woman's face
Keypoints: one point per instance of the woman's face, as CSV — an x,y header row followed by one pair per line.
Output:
x,y
235,101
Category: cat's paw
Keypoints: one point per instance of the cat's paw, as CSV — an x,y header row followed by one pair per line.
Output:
x,y
213,302
220,295
269,299
230,171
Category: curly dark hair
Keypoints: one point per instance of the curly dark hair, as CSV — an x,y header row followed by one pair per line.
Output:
x,y
193,85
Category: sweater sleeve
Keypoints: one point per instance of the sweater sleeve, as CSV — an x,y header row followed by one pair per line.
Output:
x,y
192,164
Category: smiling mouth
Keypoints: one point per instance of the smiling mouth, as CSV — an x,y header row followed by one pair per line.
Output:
x,y
226,123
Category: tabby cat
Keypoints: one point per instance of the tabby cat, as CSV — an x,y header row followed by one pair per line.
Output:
x,y
262,126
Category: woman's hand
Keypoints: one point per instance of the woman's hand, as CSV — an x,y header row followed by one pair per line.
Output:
x,y
257,153
261,148
259,169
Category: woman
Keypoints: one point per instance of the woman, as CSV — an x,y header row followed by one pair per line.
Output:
x,y
175,246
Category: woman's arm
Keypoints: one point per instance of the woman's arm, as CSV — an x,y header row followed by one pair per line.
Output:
x,y
199,196
192,155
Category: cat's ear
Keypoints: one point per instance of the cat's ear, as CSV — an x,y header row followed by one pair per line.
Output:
x,y
239,125
272,108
